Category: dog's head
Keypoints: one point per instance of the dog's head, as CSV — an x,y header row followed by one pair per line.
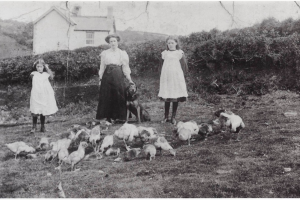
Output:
x,y
132,89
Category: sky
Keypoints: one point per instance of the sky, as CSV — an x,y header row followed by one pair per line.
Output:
x,y
167,17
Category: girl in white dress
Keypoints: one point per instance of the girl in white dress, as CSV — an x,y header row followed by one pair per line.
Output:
x,y
42,100
172,82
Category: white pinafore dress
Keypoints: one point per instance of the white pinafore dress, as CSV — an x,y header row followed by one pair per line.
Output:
x,y
172,83
42,99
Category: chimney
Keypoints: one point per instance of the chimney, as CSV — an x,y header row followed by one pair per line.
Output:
x,y
110,12
76,10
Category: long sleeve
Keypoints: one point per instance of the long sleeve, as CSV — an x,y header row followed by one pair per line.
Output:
x,y
183,64
125,64
102,65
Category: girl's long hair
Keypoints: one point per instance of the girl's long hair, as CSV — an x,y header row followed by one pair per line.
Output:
x,y
176,40
39,61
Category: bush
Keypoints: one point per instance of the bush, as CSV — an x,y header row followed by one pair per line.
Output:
x,y
238,61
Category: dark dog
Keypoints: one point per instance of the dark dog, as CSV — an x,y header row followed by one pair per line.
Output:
x,y
134,106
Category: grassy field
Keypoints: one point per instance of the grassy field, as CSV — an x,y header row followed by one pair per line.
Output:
x,y
218,167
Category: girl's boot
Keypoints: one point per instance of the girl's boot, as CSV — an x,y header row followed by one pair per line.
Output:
x,y
174,110
34,122
167,108
42,118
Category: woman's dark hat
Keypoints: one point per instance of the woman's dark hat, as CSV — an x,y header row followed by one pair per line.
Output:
x,y
112,36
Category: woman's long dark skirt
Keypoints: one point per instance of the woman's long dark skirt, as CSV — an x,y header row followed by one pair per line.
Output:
x,y
112,102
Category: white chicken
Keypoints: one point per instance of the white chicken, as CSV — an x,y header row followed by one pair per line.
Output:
x,y
18,147
149,150
185,130
59,144
76,156
161,143
231,120
95,137
43,144
63,153
127,132
147,132
112,150
108,141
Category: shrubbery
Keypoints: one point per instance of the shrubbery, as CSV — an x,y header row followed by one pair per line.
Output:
x,y
253,60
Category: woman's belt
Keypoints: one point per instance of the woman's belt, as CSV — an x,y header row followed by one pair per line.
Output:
x,y
111,67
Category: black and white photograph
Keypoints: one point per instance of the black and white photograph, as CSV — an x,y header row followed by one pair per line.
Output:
x,y
149,99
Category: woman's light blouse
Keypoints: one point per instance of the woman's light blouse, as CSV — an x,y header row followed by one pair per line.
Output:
x,y
117,57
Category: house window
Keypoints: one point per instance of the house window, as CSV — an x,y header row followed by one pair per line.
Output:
x,y
89,37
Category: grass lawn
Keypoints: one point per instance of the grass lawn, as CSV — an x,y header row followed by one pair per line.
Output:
x,y
218,167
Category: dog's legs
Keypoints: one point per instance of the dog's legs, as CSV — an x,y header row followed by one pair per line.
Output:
x,y
127,113
139,114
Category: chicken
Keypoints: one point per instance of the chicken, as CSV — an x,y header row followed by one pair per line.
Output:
x,y
204,130
108,141
132,154
76,156
127,132
149,151
31,156
63,153
105,124
82,135
59,144
50,155
147,132
43,144
18,147
161,143
185,130
112,151
95,137
77,127
90,124
231,120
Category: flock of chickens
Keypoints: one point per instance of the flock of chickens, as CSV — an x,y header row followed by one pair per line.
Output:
x,y
81,137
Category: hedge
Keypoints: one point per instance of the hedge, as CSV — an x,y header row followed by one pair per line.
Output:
x,y
252,60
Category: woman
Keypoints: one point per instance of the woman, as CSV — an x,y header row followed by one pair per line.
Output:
x,y
114,66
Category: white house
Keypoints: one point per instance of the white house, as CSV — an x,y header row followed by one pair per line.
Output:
x,y
59,29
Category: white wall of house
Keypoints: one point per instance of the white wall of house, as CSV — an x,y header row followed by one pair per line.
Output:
x,y
50,33
78,39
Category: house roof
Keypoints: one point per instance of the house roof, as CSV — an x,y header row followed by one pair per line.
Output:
x,y
82,23
92,23
58,11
